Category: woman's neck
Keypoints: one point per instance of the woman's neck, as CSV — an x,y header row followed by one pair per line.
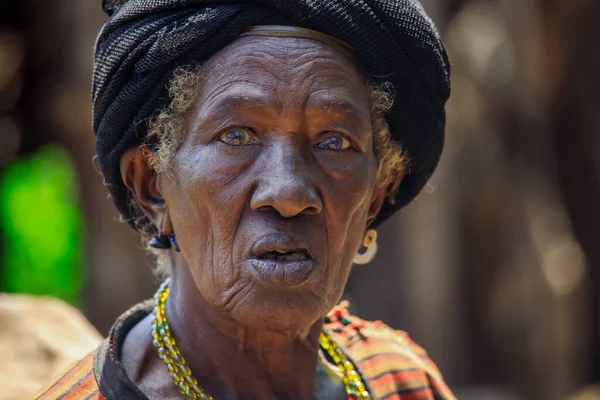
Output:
x,y
233,361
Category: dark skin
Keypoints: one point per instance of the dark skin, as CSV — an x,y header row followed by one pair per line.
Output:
x,y
277,158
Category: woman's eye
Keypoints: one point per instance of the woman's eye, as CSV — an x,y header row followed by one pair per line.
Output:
x,y
239,137
334,142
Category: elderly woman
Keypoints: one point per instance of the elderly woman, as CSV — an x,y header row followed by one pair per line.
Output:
x,y
290,130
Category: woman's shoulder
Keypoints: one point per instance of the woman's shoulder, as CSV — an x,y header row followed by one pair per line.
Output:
x,y
394,366
77,382
100,375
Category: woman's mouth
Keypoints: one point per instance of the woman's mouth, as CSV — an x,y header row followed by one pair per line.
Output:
x,y
280,262
285,255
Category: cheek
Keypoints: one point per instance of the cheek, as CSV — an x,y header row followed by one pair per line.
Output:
x,y
351,173
347,198
209,182
206,202
350,191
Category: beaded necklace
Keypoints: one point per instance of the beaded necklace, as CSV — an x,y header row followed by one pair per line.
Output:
x,y
189,386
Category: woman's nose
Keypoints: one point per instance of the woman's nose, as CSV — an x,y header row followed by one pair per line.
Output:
x,y
287,186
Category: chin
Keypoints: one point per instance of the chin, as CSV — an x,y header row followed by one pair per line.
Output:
x,y
290,312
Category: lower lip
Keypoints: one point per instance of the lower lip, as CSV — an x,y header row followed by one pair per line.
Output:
x,y
281,274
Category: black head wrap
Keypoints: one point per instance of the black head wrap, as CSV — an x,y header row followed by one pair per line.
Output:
x,y
145,40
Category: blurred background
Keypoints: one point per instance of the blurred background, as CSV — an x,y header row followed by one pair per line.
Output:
x,y
495,268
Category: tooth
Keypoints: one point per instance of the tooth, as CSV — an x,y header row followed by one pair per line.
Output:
x,y
280,257
290,257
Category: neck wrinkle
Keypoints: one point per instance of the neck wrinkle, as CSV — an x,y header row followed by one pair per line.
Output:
x,y
231,361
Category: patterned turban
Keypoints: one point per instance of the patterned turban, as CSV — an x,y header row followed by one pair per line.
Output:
x,y
143,42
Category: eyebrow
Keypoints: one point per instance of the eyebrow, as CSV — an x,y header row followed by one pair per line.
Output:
x,y
348,109
336,105
329,100
266,106
227,109
236,102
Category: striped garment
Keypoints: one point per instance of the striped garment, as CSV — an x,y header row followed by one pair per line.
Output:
x,y
390,363
393,366
78,383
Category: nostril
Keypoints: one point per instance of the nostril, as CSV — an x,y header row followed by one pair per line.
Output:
x,y
312,210
287,201
289,208
314,203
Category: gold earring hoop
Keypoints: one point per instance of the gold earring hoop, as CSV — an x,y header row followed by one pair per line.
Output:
x,y
370,237
370,242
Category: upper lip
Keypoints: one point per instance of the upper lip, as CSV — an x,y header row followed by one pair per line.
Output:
x,y
282,243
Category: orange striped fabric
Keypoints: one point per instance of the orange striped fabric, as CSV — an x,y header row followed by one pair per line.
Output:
x,y
394,367
78,383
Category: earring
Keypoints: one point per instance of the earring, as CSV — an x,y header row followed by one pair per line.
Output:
x,y
173,240
370,242
160,242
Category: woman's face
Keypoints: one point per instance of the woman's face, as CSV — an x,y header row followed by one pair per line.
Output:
x,y
274,185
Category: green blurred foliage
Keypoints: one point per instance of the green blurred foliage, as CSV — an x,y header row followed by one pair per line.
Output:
x,y
42,226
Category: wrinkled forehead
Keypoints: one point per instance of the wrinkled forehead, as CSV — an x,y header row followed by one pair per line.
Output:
x,y
291,68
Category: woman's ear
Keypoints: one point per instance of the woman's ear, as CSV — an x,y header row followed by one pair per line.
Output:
x,y
141,180
381,192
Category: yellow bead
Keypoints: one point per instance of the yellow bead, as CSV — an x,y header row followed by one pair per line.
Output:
x,y
184,369
190,380
197,389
